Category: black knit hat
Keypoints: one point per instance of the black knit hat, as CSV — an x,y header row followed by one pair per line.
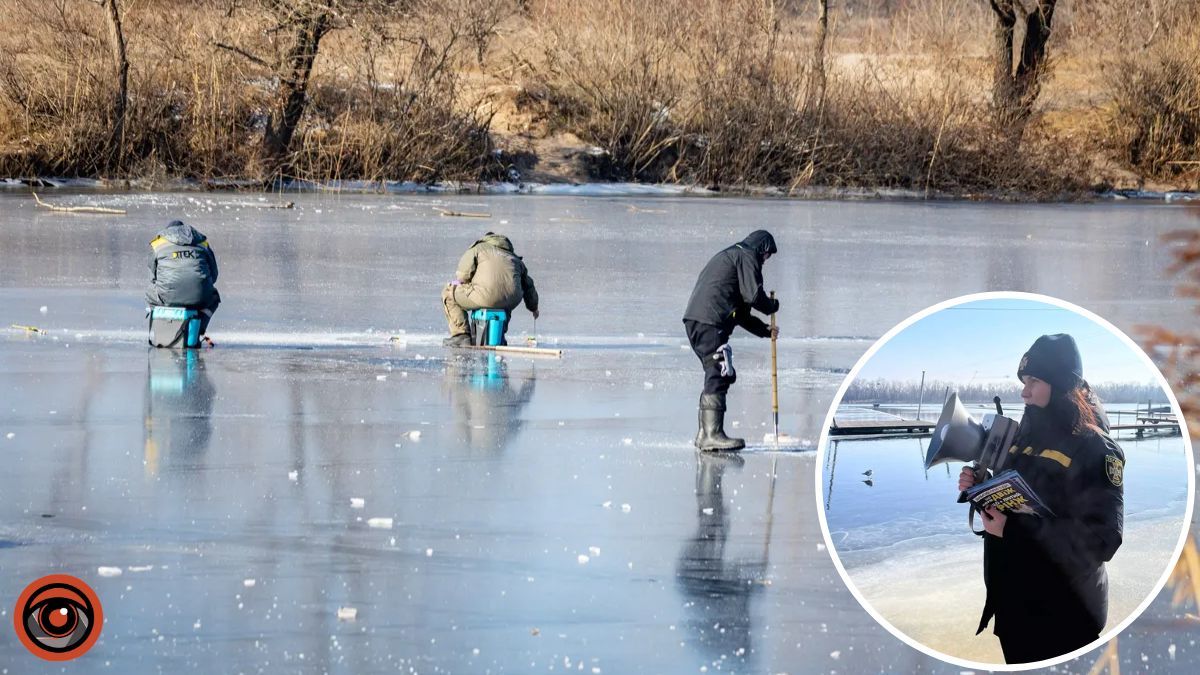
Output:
x,y
1054,359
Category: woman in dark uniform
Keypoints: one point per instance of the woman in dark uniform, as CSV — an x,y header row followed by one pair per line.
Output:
x,y
1046,585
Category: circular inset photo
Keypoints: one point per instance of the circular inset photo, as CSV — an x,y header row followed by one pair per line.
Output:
x,y
1005,481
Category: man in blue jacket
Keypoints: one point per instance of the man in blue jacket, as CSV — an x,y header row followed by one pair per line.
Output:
x,y
183,271
730,285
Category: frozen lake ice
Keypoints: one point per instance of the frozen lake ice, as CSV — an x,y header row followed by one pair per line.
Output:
x,y
545,515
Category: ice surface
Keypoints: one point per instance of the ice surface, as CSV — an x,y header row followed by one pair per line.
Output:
x,y
181,459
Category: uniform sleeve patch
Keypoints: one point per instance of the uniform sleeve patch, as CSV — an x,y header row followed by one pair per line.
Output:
x,y
1115,469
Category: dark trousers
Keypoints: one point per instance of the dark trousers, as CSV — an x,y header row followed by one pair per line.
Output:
x,y
705,340
1028,647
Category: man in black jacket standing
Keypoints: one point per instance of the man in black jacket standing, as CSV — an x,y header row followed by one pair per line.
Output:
x,y
730,285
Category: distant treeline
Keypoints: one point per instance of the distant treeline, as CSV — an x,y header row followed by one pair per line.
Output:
x,y
890,391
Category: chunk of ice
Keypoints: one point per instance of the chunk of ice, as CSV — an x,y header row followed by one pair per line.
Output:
x,y
347,613
109,571
357,502
249,583
381,523
583,559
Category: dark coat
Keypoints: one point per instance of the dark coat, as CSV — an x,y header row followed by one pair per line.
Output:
x,y
731,284
183,268
1045,578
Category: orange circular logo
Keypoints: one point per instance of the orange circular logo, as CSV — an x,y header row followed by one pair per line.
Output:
x,y
58,617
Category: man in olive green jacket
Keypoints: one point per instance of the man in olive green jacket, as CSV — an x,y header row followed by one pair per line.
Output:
x,y
489,276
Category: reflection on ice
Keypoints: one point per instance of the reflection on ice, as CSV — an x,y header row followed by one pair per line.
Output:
x,y
487,403
179,403
718,589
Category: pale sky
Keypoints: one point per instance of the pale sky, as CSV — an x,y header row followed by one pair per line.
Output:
x,y
983,341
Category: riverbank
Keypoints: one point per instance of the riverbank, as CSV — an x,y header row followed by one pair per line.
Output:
x,y
599,189
541,92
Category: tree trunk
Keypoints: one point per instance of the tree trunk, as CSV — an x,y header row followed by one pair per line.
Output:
x,y
1014,93
288,107
1033,52
818,65
116,142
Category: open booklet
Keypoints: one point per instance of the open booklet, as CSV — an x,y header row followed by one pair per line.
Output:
x,y
1009,493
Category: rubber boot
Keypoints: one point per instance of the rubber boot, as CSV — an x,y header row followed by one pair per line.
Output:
x,y
460,340
712,425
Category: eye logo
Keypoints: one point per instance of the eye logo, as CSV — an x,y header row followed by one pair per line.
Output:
x,y
58,617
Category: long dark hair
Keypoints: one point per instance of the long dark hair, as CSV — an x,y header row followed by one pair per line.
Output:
x,y
1082,408
1077,409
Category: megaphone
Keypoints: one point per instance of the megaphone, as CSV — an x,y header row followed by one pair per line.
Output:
x,y
957,437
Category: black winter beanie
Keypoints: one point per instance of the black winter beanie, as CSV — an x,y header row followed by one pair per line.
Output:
x,y
1054,359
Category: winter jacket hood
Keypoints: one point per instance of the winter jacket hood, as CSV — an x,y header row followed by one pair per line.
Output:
x,y
761,242
498,240
181,234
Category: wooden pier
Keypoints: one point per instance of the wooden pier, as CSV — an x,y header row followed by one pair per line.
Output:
x,y
1146,421
896,427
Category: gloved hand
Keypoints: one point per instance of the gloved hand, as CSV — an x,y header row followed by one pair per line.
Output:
x,y
535,313
776,301
456,282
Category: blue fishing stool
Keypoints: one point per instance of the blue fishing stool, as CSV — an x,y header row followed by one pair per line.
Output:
x,y
174,327
488,327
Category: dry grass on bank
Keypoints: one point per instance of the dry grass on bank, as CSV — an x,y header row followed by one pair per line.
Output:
x,y
684,93
696,91
384,101
1155,120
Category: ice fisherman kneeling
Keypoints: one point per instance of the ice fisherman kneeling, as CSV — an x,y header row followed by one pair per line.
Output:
x,y
183,271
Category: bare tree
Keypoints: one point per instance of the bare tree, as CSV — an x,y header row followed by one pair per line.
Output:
x,y
480,19
121,64
307,22
1014,91
818,65
303,23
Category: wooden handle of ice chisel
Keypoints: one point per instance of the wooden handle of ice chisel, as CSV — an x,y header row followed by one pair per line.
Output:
x,y
774,374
